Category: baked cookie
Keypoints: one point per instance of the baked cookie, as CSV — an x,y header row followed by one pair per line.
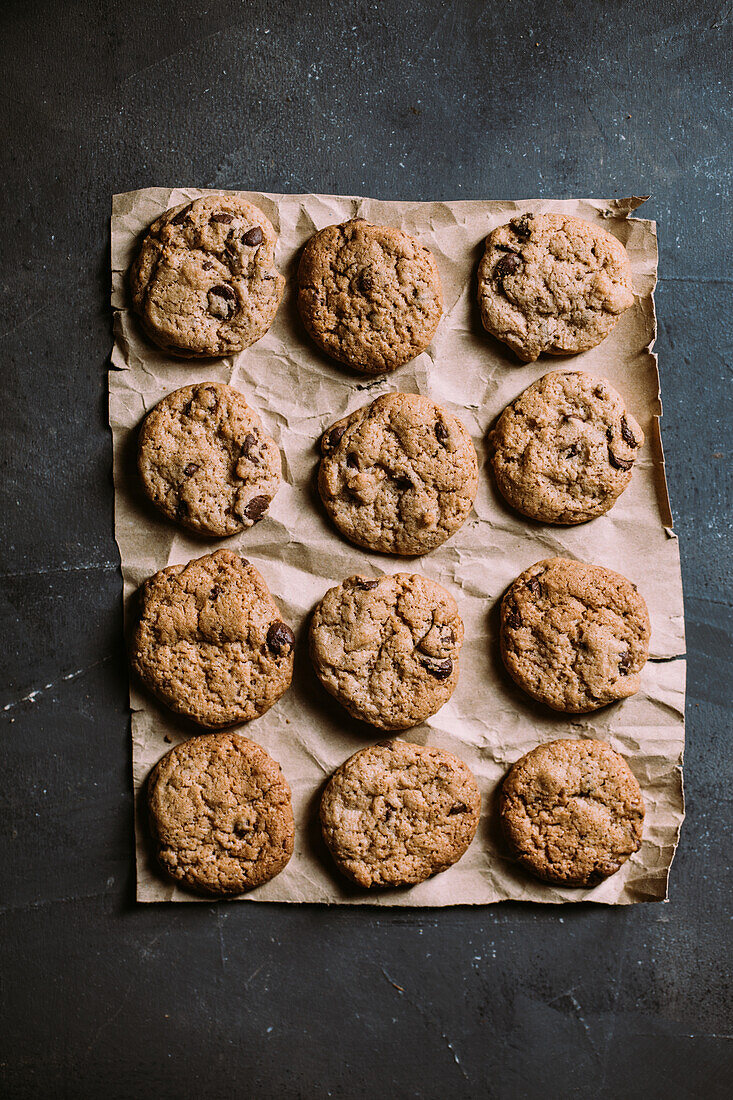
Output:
x,y
399,475
396,813
209,641
388,649
220,814
369,295
563,451
574,636
572,812
204,281
205,460
552,283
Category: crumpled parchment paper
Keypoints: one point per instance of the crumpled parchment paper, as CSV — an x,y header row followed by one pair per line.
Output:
x,y
298,392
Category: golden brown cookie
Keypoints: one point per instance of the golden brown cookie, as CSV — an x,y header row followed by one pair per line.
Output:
x,y
564,450
388,649
220,814
572,812
574,636
204,282
551,283
396,813
205,461
210,642
369,295
399,475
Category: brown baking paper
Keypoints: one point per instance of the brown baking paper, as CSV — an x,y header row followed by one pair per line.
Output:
x,y
489,722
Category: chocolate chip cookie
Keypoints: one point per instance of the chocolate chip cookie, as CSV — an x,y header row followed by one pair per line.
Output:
x,y
563,452
220,814
205,460
209,641
369,295
204,281
399,475
388,649
395,814
574,636
572,812
551,283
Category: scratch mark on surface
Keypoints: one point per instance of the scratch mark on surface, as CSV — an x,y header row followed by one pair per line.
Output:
x,y
33,695
392,981
430,1018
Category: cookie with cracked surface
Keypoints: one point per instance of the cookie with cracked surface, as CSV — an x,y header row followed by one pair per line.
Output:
x,y
399,475
554,284
572,812
204,282
396,813
573,635
220,814
388,649
210,642
564,450
205,461
369,295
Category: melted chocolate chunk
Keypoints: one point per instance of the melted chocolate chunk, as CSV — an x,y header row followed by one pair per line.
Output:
x,y
256,508
513,618
333,438
619,463
441,432
626,433
222,302
223,219
181,216
534,586
439,667
191,469
253,236
508,264
522,226
280,639
459,808
248,448
364,584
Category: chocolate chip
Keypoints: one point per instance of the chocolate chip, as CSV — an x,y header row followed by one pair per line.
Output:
x,y
367,282
439,667
215,591
624,665
601,392
441,432
534,586
207,265
222,301
181,216
507,265
619,463
609,434
224,219
280,639
522,226
626,433
191,469
459,808
256,508
505,248
364,584
572,450
186,410
250,441
352,461
333,438
385,744
513,619
208,397
253,236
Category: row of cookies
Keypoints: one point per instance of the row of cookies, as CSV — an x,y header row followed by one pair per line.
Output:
x,y
392,815
204,283
399,475
208,641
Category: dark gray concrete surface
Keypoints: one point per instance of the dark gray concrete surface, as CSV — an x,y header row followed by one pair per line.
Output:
x,y
506,99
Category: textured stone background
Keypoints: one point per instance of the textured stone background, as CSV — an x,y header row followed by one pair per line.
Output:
x,y
423,100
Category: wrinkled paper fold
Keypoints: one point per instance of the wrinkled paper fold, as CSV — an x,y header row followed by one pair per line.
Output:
x,y
298,392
